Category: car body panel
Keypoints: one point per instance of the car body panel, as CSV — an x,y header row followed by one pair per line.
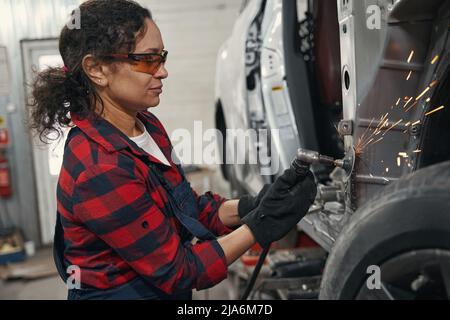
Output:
x,y
265,103
274,86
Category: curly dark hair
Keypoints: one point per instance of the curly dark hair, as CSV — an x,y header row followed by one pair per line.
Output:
x,y
107,26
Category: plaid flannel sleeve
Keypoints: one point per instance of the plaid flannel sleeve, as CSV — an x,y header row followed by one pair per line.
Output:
x,y
209,204
115,205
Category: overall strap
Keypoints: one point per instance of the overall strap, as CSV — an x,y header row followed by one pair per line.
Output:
x,y
58,249
184,205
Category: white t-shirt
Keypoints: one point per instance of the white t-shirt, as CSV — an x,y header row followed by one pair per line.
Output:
x,y
146,143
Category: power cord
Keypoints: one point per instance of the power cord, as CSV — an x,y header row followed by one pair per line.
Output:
x,y
255,273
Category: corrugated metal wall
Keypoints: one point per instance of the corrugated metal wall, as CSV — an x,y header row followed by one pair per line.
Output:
x,y
25,19
193,31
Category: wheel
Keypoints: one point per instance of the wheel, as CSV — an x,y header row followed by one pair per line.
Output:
x,y
405,233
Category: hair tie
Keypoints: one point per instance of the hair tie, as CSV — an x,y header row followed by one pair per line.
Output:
x,y
65,69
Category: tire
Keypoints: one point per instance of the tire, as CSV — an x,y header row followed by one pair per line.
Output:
x,y
407,218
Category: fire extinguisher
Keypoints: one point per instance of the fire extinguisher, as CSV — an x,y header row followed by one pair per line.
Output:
x,y
5,178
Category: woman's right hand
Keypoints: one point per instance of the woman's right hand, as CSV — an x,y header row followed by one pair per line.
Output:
x,y
285,203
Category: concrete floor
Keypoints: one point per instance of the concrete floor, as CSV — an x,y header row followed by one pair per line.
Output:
x,y
46,288
53,288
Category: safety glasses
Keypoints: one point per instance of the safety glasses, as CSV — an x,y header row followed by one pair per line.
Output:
x,y
142,62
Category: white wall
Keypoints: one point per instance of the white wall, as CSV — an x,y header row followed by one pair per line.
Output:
x,y
193,31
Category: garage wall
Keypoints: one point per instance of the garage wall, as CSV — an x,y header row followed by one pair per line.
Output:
x,y
193,31
24,19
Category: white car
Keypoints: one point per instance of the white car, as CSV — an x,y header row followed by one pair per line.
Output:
x,y
264,81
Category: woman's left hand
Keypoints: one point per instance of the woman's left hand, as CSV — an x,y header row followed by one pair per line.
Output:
x,y
247,203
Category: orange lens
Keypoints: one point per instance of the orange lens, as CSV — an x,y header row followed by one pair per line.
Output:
x,y
150,67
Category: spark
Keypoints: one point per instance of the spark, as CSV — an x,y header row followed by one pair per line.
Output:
x,y
399,161
407,124
410,56
414,123
433,83
403,154
435,59
391,127
407,102
398,101
428,99
360,140
387,170
368,128
380,126
417,151
366,143
376,141
435,110
386,179
423,93
383,124
412,106
409,76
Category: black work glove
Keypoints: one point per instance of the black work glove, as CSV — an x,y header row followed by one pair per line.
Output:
x,y
247,203
286,202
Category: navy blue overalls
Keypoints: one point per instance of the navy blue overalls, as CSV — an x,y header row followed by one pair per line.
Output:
x,y
185,209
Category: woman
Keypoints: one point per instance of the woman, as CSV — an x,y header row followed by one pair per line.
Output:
x,y
126,214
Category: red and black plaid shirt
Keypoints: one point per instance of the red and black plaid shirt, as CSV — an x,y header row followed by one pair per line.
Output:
x,y
116,218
